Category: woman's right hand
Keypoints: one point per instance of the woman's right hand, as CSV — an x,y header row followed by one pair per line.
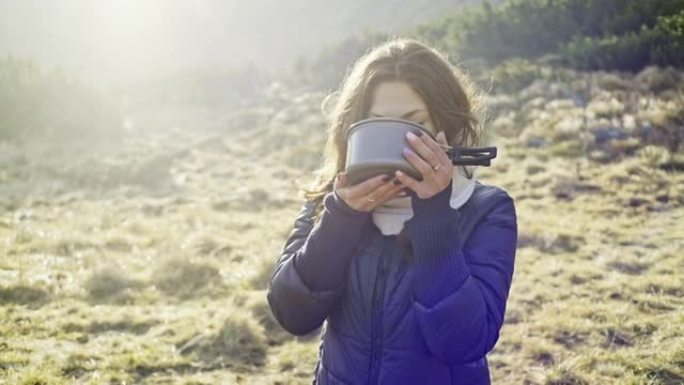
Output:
x,y
370,193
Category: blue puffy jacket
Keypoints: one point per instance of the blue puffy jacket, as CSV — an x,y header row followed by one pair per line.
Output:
x,y
388,319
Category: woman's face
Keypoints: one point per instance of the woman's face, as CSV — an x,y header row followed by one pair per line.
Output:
x,y
396,99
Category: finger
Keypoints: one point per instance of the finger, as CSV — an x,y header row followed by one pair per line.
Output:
x,y
340,184
408,181
421,147
389,194
337,184
365,187
418,162
375,197
394,192
436,145
388,188
441,138
380,189
448,163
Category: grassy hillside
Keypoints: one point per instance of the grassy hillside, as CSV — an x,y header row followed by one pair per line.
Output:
x,y
146,259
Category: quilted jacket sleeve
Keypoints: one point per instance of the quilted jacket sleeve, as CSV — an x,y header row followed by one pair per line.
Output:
x,y
460,290
310,273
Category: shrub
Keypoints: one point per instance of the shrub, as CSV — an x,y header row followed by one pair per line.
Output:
x,y
662,45
240,343
605,34
515,74
185,279
110,284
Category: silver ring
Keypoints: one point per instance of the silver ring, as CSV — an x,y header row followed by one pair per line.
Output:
x,y
435,168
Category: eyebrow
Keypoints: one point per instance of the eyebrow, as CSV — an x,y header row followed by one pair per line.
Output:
x,y
405,116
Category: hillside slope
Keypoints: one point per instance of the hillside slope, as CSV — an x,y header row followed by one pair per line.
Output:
x,y
146,260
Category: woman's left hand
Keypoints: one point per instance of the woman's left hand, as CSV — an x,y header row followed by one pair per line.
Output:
x,y
431,160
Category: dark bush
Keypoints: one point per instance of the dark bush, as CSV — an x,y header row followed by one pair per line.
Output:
x,y
594,34
661,45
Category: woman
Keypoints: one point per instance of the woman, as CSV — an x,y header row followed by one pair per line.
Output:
x,y
410,277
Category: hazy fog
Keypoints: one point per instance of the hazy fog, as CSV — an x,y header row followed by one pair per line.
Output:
x,y
123,39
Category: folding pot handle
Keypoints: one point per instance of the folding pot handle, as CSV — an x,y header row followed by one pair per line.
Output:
x,y
472,156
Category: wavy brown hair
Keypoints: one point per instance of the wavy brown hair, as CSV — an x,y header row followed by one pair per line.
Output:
x,y
451,98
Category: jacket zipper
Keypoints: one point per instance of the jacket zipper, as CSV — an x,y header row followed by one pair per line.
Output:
x,y
376,316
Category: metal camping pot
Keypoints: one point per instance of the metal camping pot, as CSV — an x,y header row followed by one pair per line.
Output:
x,y
374,146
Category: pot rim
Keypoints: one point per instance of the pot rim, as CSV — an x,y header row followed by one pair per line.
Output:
x,y
354,126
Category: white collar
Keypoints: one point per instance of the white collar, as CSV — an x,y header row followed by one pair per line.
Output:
x,y
390,216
